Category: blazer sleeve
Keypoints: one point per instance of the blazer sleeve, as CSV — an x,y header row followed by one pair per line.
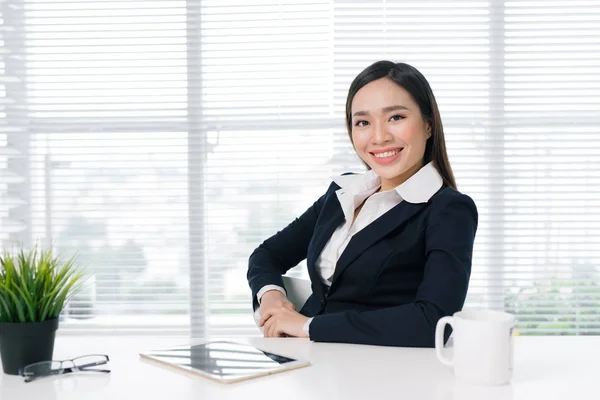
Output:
x,y
449,238
282,251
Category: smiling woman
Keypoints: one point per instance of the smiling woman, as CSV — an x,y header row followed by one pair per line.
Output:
x,y
387,127
388,251
391,115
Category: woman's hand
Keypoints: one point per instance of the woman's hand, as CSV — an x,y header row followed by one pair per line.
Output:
x,y
278,322
278,316
272,300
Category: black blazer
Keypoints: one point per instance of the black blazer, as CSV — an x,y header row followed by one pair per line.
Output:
x,y
396,278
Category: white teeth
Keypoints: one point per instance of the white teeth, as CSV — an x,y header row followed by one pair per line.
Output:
x,y
387,154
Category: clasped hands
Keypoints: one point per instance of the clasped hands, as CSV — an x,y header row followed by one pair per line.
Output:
x,y
278,316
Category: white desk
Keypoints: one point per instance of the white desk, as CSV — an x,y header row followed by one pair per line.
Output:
x,y
545,368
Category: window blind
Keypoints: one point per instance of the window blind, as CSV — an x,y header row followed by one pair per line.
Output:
x,y
105,91
164,140
551,173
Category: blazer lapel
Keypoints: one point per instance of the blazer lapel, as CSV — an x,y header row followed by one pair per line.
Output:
x,y
374,232
334,217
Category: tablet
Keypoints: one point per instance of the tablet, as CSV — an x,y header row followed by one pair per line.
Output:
x,y
223,361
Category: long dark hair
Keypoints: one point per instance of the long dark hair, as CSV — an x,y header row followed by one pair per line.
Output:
x,y
409,78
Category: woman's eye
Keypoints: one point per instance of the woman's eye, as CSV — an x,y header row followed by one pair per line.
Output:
x,y
361,123
396,118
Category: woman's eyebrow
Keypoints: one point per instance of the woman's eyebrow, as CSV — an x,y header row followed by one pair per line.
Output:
x,y
384,109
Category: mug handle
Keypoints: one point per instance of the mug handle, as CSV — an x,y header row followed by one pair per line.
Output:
x,y
439,339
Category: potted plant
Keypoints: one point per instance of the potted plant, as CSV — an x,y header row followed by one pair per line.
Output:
x,y
35,285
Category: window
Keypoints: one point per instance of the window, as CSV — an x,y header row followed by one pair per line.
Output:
x,y
164,140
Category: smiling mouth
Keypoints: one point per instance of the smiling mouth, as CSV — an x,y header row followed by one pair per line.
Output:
x,y
387,157
387,154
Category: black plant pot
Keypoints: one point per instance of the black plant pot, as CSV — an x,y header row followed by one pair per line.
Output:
x,y
24,343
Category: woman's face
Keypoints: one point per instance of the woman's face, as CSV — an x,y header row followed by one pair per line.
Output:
x,y
388,131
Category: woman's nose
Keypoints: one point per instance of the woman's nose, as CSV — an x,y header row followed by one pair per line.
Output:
x,y
381,134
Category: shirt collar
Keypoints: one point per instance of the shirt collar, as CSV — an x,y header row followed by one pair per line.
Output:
x,y
419,188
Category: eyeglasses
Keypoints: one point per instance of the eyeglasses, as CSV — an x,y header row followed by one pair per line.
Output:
x,y
48,368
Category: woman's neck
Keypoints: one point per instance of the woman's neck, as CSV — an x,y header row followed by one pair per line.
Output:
x,y
389,184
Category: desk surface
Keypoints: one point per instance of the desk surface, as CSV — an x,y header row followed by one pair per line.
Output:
x,y
545,368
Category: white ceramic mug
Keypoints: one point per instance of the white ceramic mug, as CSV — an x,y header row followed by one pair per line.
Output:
x,y
482,346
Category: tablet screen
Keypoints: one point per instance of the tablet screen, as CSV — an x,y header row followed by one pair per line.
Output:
x,y
221,359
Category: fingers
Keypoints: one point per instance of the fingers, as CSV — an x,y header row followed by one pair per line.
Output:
x,y
273,331
271,328
266,330
268,313
266,327
290,306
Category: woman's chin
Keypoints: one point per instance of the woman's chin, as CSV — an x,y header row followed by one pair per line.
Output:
x,y
388,172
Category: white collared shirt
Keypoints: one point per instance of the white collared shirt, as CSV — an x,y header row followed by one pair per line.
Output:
x,y
354,190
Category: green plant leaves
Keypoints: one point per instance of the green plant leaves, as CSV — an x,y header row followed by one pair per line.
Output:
x,y
35,285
